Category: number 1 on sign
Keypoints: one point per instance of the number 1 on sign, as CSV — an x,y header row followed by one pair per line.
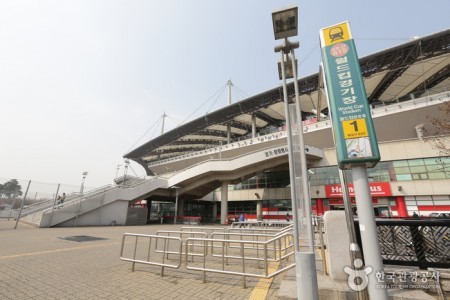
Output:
x,y
355,125
355,128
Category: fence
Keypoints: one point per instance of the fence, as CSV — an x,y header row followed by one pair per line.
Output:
x,y
421,243
19,198
246,254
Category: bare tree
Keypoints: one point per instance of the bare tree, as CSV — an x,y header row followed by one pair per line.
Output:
x,y
438,134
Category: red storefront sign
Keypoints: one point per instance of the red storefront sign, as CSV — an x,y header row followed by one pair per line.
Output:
x,y
377,189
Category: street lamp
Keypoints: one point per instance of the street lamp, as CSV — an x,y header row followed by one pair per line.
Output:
x,y
127,163
117,170
81,197
82,182
285,25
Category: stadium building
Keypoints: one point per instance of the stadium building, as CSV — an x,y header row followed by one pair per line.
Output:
x,y
406,86
235,160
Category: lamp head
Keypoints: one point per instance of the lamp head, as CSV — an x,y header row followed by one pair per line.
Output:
x,y
285,22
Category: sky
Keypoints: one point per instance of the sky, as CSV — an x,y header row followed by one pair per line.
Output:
x,y
84,82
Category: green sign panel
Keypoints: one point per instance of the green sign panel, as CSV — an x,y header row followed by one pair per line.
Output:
x,y
354,134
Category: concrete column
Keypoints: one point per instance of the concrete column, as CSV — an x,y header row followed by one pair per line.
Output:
x,y
180,207
259,214
401,206
214,211
224,203
149,208
253,126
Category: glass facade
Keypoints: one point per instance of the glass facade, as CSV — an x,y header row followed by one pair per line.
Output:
x,y
400,170
422,169
274,179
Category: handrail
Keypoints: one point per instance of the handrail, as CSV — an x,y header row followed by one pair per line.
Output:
x,y
202,229
145,256
222,159
241,237
179,234
246,258
84,197
242,254
218,149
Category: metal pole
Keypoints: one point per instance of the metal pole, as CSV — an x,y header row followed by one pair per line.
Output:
x,y
294,196
78,211
308,262
368,229
82,185
53,207
125,172
81,197
21,206
355,251
230,84
117,171
163,121
176,206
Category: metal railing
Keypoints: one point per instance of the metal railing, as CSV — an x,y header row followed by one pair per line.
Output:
x,y
183,235
264,258
157,256
242,257
377,110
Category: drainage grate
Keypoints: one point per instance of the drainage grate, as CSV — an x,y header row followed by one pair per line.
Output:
x,y
81,238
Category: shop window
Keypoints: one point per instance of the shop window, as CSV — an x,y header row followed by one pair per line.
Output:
x,y
416,162
400,163
420,169
437,175
433,168
423,176
402,170
401,177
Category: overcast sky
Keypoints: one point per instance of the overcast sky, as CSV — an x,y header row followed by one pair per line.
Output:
x,y
84,82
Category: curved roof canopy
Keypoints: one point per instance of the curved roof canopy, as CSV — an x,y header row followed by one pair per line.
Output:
x,y
395,74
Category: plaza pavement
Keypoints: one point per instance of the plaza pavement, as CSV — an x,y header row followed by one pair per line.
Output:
x,y
38,263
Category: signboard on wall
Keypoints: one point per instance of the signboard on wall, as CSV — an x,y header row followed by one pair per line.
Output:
x,y
377,189
355,138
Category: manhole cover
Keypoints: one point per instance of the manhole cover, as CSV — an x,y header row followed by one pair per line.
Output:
x,y
81,238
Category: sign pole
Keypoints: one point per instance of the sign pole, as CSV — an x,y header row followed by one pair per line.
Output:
x,y
368,229
356,146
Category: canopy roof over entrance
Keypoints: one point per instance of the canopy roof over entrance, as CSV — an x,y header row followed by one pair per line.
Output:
x,y
409,70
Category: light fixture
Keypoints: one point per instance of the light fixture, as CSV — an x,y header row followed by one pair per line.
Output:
x,y
285,22
287,68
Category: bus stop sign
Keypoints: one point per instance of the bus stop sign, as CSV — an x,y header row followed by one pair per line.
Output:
x,y
354,134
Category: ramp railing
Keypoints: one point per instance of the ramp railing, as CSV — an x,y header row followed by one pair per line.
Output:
x,y
241,254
